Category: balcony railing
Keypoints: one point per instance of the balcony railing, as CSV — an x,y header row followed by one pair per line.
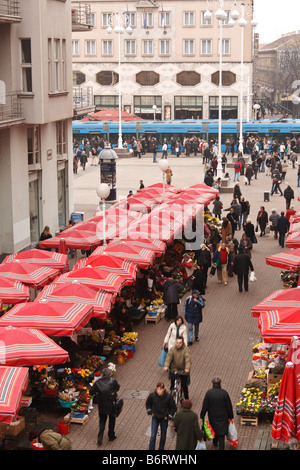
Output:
x,y
10,108
83,99
10,11
81,16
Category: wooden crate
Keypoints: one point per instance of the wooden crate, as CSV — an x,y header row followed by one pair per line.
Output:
x,y
83,420
273,379
249,421
152,318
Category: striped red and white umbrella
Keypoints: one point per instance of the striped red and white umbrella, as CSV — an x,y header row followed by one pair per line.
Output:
x,y
52,318
40,257
13,384
75,291
105,280
13,292
294,227
142,203
286,420
279,326
168,187
28,347
279,299
109,263
32,275
141,256
202,188
158,246
289,260
155,226
72,239
293,240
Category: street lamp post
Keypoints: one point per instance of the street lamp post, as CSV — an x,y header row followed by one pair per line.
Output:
x,y
122,24
163,165
103,191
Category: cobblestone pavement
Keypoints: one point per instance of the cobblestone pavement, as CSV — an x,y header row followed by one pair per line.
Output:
x,y
227,333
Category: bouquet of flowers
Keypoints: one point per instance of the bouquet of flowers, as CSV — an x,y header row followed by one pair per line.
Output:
x,y
38,373
269,400
66,395
129,338
93,363
121,352
249,402
83,401
81,374
51,383
112,339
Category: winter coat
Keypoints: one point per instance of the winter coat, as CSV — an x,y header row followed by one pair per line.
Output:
x,y
204,257
171,289
246,246
178,359
218,405
193,309
173,332
288,193
283,224
217,257
52,440
161,406
226,230
106,389
241,265
262,219
217,207
199,281
249,172
186,425
237,192
274,218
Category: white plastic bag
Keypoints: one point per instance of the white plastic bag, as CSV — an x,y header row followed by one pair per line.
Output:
x,y
252,277
232,435
201,445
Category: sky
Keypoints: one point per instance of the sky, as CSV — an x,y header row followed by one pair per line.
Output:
x,y
276,17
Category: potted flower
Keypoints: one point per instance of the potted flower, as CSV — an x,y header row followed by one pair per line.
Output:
x,y
51,386
82,404
66,398
121,355
38,374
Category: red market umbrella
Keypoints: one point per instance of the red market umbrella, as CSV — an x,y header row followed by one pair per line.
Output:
x,y
111,115
154,227
141,256
13,384
294,227
28,347
286,421
72,239
168,187
293,240
203,188
109,263
52,318
40,257
75,291
191,198
32,275
158,246
289,260
279,299
279,326
13,292
142,204
110,282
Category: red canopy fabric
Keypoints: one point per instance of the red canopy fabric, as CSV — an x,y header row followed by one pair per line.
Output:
x,y
52,318
40,257
104,280
13,292
28,346
73,239
158,246
293,240
13,383
286,421
111,115
111,264
141,256
33,275
283,298
279,326
77,292
203,188
289,260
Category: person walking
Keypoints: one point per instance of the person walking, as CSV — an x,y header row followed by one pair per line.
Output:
x,y
204,262
171,291
249,174
233,219
178,360
288,195
241,265
154,147
106,389
187,428
262,220
274,219
193,306
237,193
186,267
161,406
283,227
218,406
176,329
276,182
217,207
83,160
245,245
221,260
169,174
237,170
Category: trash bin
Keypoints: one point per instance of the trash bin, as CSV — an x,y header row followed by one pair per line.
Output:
x,y
266,196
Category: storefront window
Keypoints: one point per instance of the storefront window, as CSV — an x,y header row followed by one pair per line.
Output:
x,y
188,107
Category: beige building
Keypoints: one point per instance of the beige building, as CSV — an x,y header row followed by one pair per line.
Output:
x,y
36,108
170,59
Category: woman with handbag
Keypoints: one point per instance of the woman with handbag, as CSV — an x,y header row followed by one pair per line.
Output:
x,y
176,329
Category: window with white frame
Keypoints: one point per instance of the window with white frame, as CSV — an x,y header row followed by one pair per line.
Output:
x,y
147,19
106,19
226,46
189,18
91,19
226,21
56,65
75,47
130,47
188,46
61,137
205,21
90,47
107,47
164,47
206,46
165,19
148,47
131,19
26,66
33,145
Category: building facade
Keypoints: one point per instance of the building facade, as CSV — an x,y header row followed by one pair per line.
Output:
x,y
36,108
168,66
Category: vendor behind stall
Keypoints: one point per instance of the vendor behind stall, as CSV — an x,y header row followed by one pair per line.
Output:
x,y
123,317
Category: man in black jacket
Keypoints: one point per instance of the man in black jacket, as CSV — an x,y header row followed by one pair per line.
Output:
x,y
282,227
106,389
171,291
241,265
288,195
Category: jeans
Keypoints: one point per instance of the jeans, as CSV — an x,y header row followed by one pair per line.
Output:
x,y
154,156
163,423
236,176
193,328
